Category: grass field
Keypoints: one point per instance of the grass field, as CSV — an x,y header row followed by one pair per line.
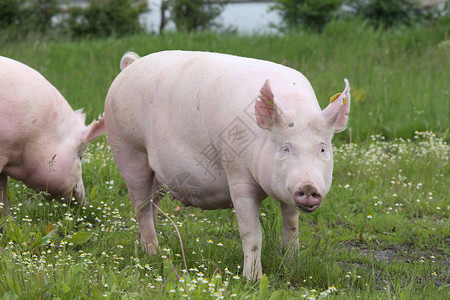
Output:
x,y
381,233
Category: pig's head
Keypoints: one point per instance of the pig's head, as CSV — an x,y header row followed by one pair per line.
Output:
x,y
59,172
297,154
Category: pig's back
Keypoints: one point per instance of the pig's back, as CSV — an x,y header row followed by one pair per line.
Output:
x,y
195,93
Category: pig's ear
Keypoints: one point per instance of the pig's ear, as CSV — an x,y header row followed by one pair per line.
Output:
x,y
266,109
127,59
93,131
338,109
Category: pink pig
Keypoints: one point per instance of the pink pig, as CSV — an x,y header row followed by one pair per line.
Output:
x,y
222,131
41,137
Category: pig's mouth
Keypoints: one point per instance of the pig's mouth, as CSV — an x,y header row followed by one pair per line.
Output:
x,y
306,208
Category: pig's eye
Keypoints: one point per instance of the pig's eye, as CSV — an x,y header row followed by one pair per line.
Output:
x,y
284,150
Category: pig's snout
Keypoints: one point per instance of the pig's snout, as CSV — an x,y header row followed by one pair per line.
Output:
x,y
307,198
78,193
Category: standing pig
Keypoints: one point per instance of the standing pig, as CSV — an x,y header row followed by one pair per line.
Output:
x,y
41,137
221,131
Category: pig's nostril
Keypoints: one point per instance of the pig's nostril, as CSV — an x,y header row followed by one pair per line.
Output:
x,y
308,197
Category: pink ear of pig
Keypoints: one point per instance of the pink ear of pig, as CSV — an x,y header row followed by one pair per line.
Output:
x,y
93,131
266,109
338,110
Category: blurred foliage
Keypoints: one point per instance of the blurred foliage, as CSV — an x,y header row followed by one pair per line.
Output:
x,y
310,14
23,16
105,18
195,15
389,13
9,12
100,18
315,14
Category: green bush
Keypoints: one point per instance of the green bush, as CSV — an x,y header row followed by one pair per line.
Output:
x,y
105,18
194,15
389,13
310,14
9,12
24,17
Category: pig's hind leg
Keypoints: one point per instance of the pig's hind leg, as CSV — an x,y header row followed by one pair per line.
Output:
x,y
139,178
4,207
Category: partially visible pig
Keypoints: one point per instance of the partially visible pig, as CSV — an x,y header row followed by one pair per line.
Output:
x,y
222,131
41,137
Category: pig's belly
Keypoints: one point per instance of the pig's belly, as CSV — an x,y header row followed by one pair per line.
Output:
x,y
198,190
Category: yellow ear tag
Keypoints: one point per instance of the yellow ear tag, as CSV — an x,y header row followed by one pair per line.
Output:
x,y
270,102
334,97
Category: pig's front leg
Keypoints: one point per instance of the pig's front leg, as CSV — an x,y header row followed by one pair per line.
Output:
x,y
247,213
289,239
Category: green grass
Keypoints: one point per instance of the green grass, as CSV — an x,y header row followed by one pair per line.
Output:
x,y
381,233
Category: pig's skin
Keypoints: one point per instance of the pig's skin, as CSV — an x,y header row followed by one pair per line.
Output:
x,y
189,120
41,137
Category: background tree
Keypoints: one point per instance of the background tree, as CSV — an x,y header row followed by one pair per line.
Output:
x,y
23,16
195,15
9,12
388,13
163,9
310,14
105,18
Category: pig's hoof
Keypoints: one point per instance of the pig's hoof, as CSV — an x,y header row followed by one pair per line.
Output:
x,y
289,248
256,275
